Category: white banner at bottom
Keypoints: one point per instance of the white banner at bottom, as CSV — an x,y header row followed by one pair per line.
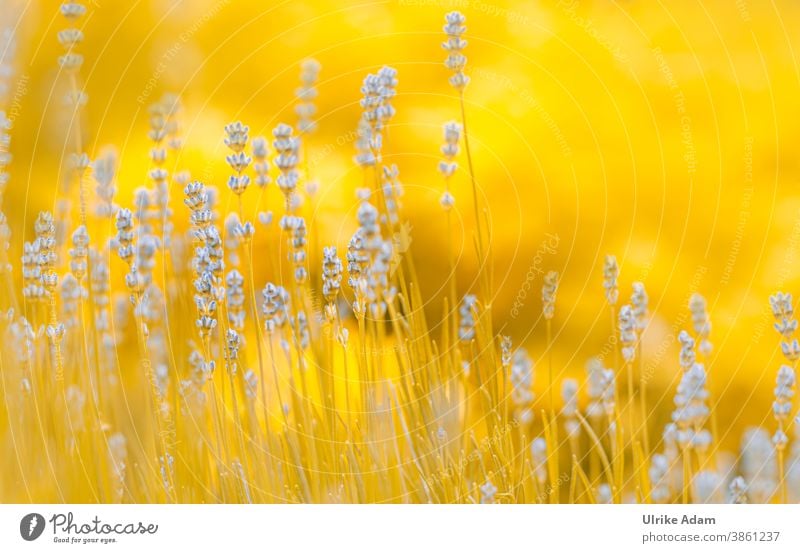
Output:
x,y
406,528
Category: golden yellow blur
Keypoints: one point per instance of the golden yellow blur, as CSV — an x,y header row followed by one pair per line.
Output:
x,y
664,133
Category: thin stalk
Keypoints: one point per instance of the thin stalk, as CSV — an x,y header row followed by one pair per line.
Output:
x,y
474,184
687,474
643,404
550,385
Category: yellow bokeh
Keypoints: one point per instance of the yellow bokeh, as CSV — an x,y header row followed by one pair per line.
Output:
x,y
665,133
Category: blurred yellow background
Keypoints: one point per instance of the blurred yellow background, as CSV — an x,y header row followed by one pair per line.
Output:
x,y
663,133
